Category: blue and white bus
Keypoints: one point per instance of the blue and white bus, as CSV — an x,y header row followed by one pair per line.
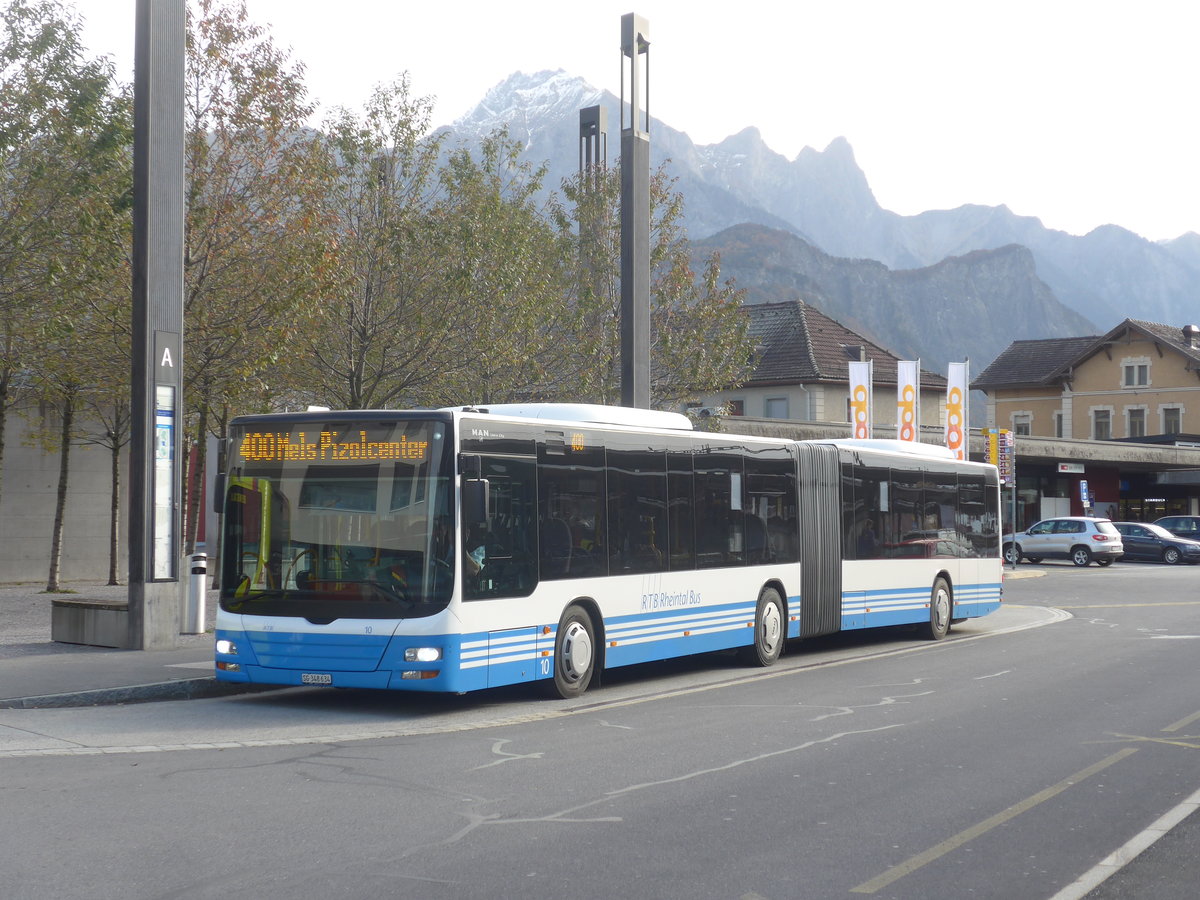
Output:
x,y
461,549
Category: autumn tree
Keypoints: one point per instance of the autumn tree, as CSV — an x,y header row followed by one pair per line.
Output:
x,y
504,264
253,258
699,341
84,309
53,107
388,328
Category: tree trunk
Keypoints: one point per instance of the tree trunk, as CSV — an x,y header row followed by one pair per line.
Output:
x,y
195,480
4,383
114,527
60,505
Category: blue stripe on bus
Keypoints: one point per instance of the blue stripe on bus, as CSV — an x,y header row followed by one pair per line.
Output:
x,y
509,656
896,606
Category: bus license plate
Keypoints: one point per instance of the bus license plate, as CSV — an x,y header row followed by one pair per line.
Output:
x,y
315,678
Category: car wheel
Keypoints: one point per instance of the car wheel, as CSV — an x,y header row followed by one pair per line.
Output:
x,y
1081,556
1012,554
1171,556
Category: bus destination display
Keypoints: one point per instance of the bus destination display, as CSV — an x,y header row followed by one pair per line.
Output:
x,y
329,446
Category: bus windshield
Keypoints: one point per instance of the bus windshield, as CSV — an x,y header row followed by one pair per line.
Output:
x,y
338,520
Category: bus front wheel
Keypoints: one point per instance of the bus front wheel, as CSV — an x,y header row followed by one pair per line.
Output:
x,y
574,653
770,629
941,607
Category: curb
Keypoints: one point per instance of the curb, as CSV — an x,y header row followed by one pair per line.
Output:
x,y
179,689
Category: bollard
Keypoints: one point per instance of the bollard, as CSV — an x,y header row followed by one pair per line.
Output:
x,y
197,593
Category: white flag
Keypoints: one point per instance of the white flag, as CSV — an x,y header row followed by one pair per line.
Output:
x,y
860,398
908,400
957,426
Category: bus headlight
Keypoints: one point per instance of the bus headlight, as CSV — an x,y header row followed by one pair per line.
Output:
x,y
422,654
229,648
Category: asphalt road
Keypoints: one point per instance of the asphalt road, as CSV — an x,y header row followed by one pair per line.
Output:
x,y
1006,762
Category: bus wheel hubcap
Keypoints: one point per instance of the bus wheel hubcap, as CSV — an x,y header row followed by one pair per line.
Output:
x,y
577,652
941,608
770,626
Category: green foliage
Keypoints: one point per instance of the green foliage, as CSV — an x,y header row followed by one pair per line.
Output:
x,y
503,264
387,328
699,341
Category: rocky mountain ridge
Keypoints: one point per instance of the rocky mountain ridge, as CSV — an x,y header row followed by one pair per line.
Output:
x,y
943,283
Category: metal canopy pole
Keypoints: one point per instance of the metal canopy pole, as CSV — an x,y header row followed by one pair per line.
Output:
x,y
155,589
635,213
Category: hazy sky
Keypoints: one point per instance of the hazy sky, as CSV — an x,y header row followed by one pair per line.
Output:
x,y
1079,113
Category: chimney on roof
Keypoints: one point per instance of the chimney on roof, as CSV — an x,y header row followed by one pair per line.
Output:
x,y
862,352
1191,336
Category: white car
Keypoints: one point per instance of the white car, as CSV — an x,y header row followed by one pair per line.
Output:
x,y
1080,539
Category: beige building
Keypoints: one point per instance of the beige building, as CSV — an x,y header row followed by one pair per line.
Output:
x,y
1137,385
1140,381
801,372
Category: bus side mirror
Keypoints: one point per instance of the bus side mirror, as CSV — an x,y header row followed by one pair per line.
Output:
x,y
476,490
218,497
476,501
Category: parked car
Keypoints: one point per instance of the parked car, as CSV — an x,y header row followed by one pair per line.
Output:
x,y
1080,539
1144,540
1181,526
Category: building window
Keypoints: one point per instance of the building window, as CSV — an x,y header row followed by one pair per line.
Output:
x,y
1101,425
776,408
1136,374
1058,424
1172,420
737,407
1022,423
1135,423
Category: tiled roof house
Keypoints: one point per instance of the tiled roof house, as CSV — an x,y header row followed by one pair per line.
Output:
x,y
801,369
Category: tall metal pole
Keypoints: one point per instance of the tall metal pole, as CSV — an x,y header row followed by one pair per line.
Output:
x,y
593,142
155,589
635,213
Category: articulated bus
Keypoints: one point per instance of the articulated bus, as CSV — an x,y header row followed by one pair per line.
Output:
x,y
460,549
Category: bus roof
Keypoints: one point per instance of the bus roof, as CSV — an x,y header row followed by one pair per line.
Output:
x,y
586,412
911,448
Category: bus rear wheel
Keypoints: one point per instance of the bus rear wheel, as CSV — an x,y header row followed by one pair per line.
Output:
x,y
941,607
770,629
574,653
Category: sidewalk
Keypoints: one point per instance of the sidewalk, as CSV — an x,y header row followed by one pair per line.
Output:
x,y
36,671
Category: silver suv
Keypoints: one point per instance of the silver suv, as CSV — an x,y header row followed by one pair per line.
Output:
x,y
1080,539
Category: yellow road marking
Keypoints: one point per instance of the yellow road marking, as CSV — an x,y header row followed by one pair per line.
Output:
x,y
1183,723
1181,742
911,865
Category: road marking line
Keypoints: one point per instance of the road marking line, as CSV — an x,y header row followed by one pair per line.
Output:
x,y
911,865
1127,852
1126,605
1157,740
590,705
1183,723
